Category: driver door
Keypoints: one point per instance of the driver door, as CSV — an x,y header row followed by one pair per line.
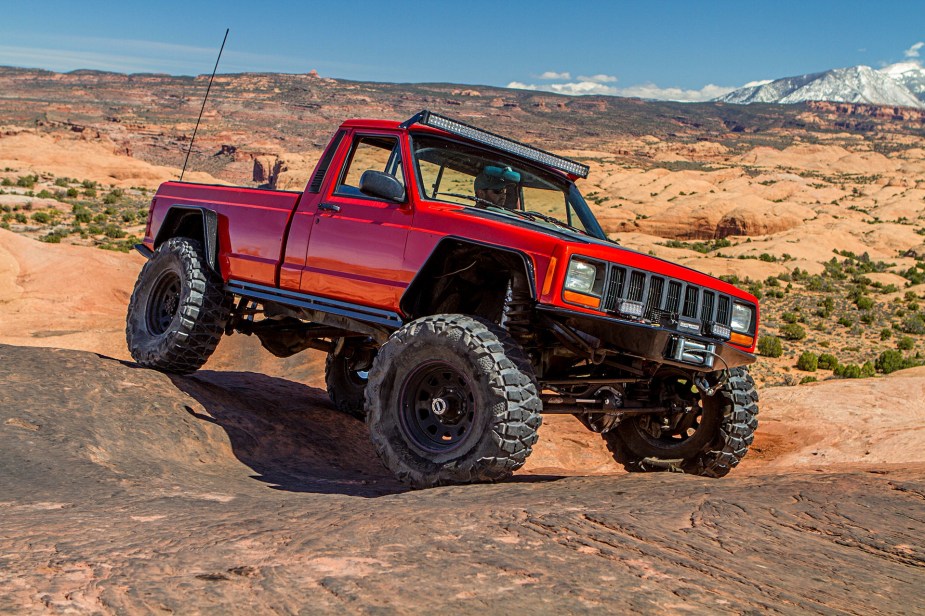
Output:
x,y
356,250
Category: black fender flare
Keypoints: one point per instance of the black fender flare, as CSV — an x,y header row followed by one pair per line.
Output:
x,y
176,216
450,243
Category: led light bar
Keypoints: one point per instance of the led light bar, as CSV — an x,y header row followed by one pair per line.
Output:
x,y
484,137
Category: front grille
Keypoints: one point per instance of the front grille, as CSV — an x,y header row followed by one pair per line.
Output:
x,y
664,298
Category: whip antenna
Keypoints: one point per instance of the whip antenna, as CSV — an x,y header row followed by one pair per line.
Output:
x,y
204,99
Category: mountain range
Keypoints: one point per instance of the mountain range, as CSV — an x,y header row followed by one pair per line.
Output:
x,y
900,85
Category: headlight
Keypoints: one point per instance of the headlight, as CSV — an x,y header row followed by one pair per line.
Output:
x,y
585,277
741,318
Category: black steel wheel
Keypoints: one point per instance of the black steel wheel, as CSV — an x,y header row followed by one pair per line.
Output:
x,y
437,407
178,309
451,400
701,434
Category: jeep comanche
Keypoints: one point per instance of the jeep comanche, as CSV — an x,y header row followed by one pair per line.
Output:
x,y
461,288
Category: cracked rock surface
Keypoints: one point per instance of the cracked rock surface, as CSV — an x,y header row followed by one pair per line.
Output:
x,y
126,491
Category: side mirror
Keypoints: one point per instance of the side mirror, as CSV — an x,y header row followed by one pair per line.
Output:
x,y
382,185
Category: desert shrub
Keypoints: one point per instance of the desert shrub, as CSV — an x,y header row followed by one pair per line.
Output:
x,y
913,324
864,303
89,192
886,333
808,379
27,181
128,216
845,321
792,331
44,194
808,362
61,182
83,215
72,193
53,238
848,371
6,182
770,346
868,317
906,343
20,218
41,217
789,317
113,232
88,184
890,361
868,370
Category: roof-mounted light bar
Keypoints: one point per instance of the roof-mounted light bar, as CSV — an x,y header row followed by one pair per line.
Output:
x,y
428,118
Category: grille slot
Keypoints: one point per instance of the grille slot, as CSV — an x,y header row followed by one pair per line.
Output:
x,y
722,310
706,311
690,302
673,302
654,298
614,287
637,283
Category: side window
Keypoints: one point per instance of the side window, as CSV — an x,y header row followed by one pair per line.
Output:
x,y
376,153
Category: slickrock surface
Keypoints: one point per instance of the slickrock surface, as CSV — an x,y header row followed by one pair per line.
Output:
x,y
123,490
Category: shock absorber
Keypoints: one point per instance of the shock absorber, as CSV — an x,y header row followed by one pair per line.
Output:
x,y
517,315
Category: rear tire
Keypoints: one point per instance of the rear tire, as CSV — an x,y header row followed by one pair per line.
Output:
x,y
719,436
178,309
346,384
446,404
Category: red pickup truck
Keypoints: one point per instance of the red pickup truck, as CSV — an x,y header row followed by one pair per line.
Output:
x,y
461,288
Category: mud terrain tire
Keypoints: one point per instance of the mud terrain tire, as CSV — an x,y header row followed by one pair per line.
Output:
x,y
178,309
447,404
729,420
346,386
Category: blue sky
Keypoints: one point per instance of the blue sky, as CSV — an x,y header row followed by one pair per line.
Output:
x,y
661,49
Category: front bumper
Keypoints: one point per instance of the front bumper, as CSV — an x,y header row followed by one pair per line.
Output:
x,y
653,343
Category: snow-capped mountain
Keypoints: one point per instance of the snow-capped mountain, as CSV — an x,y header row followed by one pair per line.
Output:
x,y
855,84
910,74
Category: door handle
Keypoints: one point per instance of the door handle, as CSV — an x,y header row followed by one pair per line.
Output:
x,y
329,207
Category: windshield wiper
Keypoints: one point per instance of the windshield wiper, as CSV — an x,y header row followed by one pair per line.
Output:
x,y
534,216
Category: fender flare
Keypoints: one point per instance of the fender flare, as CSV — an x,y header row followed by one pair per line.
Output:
x,y
173,220
448,243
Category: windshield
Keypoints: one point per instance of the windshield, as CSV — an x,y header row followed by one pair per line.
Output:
x,y
468,175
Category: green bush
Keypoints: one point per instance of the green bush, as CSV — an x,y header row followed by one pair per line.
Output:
x,y
62,182
72,193
864,303
792,331
886,333
913,325
789,317
848,371
41,217
845,321
868,370
827,361
20,218
808,362
808,379
890,361
83,215
770,346
906,343
114,232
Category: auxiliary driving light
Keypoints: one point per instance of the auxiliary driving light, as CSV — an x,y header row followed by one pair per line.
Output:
x,y
718,330
629,308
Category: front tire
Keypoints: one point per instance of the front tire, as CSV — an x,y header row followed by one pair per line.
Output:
x,y
447,405
178,309
710,439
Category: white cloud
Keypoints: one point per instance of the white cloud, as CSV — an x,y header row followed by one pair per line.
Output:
x,y
554,75
647,90
570,88
755,84
599,78
913,52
